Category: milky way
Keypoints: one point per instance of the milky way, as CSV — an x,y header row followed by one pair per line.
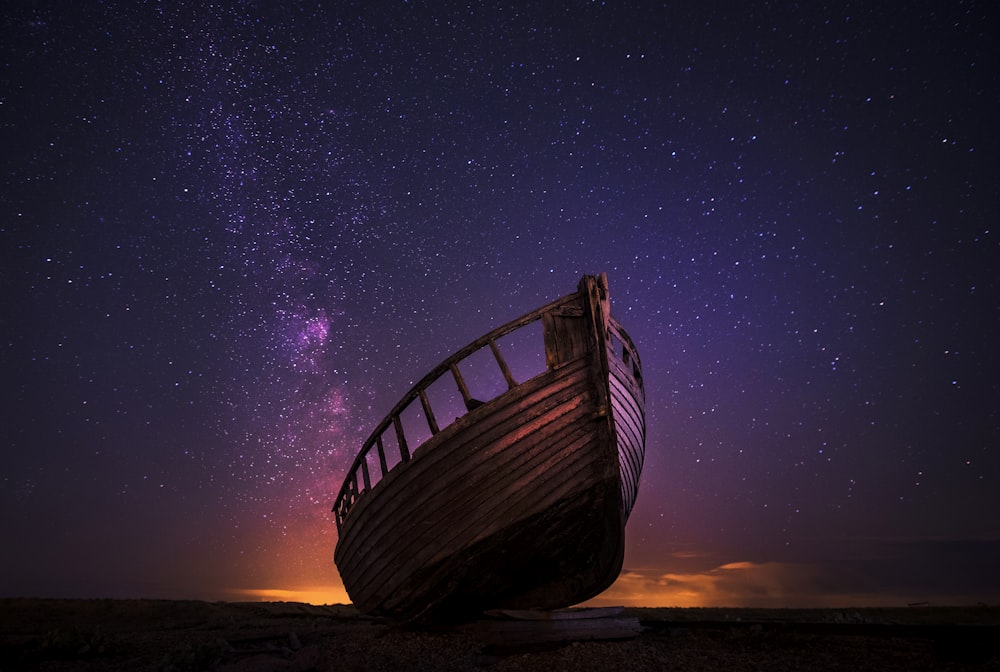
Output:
x,y
234,235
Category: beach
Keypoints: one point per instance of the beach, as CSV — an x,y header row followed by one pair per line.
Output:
x,y
180,636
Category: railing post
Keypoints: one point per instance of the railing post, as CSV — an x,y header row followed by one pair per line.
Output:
x,y
457,375
381,456
507,375
428,413
364,473
404,451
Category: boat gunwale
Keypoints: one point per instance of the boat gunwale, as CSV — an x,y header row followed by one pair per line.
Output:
x,y
353,488
414,393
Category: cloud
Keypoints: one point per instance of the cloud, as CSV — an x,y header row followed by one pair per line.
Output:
x,y
741,584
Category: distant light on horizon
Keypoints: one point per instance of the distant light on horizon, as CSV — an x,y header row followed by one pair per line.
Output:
x,y
317,595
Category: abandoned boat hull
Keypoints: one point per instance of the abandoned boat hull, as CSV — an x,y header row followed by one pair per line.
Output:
x,y
521,502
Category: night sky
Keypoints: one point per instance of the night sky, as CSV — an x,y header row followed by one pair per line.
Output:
x,y
234,235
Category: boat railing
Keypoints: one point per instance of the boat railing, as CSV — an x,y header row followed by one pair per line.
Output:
x,y
623,348
391,443
394,438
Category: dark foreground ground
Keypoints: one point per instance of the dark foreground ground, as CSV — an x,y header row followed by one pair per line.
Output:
x,y
243,637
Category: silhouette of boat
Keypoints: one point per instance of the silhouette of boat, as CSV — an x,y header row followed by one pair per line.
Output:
x,y
520,501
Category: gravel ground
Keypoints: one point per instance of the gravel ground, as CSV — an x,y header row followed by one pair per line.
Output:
x,y
183,636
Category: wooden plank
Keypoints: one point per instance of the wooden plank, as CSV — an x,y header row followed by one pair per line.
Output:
x,y
506,414
420,545
426,506
478,479
565,338
473,443
491,521
410,551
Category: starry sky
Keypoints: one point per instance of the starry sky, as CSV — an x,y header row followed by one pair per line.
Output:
x,y
234,234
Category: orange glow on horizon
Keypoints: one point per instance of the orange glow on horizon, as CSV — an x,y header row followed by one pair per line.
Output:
x,y
738,584
735,584
316,595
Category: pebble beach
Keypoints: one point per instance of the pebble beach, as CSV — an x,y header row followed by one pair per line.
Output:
x,y
176,636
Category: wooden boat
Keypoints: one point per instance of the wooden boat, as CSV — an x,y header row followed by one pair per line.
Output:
x,y
520,502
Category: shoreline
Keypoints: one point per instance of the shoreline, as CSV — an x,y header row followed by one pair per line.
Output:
x,y
107,634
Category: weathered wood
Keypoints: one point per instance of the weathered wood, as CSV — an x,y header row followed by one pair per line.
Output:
x,y
404,451
367,478
381,457
507,375
487,471
428,413
470,403
519,503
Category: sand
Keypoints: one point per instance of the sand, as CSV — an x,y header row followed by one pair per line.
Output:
x,y
282,636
